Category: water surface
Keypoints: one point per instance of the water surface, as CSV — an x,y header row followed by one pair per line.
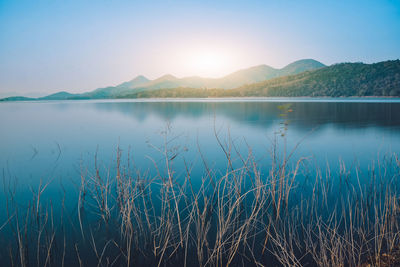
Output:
x,y
56,139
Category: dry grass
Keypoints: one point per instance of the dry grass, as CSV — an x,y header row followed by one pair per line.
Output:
x,y
239,217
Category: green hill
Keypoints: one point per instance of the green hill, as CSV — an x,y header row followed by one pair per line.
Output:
x,y
59,96
134,83
141,84
233,80
300,66
345,79
17,98
303,78
339,80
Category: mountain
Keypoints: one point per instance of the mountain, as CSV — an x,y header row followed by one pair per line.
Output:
x,y
301,78
136,82
59,96
300,66
236,79
17,98
339,80
345,79
110,91
166,81
246,76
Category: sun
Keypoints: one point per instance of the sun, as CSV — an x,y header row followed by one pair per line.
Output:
x,y
206,61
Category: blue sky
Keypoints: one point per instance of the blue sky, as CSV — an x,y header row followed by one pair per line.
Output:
x,y
48,46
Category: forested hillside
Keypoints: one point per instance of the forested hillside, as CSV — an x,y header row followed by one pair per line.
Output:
x,y
345,79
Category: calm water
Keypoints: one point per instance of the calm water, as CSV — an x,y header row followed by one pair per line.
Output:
x,y
55,140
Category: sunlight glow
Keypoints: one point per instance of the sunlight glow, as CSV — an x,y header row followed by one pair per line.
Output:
x,y
208,60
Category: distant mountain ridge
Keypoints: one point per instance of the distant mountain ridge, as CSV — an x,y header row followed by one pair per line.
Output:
x,y
137,81
233,80
340,80
238,78
301,78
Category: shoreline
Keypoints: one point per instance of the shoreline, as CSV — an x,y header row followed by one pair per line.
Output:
x,y
349,99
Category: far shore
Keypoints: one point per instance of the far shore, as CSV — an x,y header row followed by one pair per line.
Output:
x,y
222,99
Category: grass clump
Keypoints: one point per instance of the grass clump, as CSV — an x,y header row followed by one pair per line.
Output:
x,y
242,216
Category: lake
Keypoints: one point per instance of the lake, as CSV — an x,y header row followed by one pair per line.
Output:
x,y
57,141
49,138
